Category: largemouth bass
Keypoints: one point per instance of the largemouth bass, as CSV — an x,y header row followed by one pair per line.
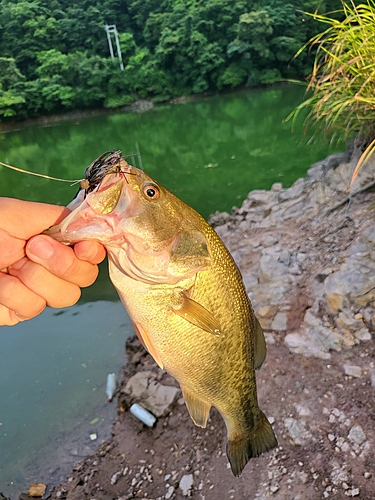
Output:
x,y
183,292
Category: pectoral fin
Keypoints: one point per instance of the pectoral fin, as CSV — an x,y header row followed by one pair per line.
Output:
x,y
198,315
198,409
147,344
260,348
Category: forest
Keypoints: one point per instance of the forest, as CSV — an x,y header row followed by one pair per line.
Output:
x,y
55,56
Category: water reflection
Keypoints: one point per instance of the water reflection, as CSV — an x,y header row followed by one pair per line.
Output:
x,y
52,378
243,134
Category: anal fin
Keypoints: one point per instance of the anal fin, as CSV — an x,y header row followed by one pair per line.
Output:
x,y
199,410
242,448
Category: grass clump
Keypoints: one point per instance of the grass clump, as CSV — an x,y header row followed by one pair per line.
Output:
x,y
343,77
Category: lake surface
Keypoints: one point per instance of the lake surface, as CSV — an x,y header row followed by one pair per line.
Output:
x,y
210,152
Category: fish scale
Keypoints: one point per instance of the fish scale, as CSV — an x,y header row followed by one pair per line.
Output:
x,y
184,294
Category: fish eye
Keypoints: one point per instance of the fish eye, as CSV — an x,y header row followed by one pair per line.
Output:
x,y
151,191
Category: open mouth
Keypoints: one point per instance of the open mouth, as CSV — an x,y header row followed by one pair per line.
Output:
x,y
95,215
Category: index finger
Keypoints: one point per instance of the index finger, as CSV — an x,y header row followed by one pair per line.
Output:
x,y
61,261
23,219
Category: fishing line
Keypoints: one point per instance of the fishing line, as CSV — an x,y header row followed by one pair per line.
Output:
x,y
72,181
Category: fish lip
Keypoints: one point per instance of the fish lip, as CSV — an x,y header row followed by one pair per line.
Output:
x,y
84,223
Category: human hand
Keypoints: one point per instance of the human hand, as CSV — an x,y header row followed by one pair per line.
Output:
x,y
36,270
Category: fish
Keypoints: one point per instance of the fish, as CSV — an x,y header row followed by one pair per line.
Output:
x,y
183,292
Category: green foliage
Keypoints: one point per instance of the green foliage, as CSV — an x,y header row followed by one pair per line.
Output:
x,y
9,102
55,53
342,81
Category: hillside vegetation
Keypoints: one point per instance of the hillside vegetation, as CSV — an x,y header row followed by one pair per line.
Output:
x,y
55,53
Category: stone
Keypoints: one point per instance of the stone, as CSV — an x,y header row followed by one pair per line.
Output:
x,y
161,400
292,193
303,411
335,293
285,257
270,269
116,476
299,344
311,319
353,370
363,335
169,493
37,490
276,187
138,384
186,483
155,397
349,323
297,430
258,196
357,435
267,311
218,219
279,322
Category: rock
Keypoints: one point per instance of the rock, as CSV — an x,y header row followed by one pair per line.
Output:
x,y
299,344
169,493
267,311
279,322
37,490
297,430
186,484
162,399
293,192
155,397
138,384
258,197
335,293
218,219
363,335
270,269
357,435
349,323
285,257
276,187
353,370
353,282
303,411
116,477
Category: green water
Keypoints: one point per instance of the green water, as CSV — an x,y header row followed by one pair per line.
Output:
x,y
211,152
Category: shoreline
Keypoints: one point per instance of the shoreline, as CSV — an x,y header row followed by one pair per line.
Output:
x,y
138,106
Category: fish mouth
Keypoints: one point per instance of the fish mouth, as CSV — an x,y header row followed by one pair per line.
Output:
x,y
102,200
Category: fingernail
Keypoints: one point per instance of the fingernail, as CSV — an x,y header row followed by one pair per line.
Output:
x,y
41,248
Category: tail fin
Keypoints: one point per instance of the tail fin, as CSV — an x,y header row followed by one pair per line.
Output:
x,y
261,439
